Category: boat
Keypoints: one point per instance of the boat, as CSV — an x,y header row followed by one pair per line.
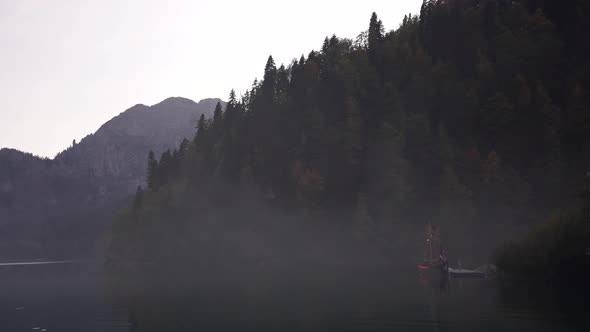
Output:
x,y
464,273
429,260
440,263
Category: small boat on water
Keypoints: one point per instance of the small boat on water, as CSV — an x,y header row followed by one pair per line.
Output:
x,y
441,263
429,260
464,273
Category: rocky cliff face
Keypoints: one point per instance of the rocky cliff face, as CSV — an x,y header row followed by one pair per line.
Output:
x,y
54,207
118,150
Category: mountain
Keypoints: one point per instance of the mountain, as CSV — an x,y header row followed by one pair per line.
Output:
x,y
117,152
54,206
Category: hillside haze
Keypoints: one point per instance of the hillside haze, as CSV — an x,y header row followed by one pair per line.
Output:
x,y
472,116
60,206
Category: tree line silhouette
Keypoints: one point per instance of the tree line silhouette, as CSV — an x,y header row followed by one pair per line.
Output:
x,y
473,115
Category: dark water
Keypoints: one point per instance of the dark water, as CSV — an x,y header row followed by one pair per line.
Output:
x,y
58,297
79,297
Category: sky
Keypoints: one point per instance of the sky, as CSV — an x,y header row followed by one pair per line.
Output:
x,y
68,66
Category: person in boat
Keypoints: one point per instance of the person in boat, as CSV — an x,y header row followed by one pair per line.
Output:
x,y
444,261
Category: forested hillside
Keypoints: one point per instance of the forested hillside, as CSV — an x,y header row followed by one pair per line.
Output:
x,y
472,115
61,206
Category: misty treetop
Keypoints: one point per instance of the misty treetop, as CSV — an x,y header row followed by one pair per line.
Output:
x,y
473,114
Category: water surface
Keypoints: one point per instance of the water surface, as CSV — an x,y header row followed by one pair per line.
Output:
x,y
79,297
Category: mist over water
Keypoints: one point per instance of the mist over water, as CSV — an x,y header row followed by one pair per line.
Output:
x,y
331,194
82,297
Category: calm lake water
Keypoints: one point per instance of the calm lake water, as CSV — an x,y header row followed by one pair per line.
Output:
x,y
80,298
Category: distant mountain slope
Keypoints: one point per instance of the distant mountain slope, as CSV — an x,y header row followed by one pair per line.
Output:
x,y
117,152
54,206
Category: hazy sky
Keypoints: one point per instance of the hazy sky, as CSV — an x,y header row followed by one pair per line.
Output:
x,y
67,66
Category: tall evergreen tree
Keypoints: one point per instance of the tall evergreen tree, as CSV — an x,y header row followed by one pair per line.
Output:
x,y
586,195
182,149
375,36
217,114
152,176
201,128
165,167
270,77
138,199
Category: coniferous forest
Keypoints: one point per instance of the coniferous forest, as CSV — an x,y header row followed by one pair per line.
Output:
x,y
472,116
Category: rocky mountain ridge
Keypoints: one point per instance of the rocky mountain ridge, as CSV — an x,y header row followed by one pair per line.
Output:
x,y
56,206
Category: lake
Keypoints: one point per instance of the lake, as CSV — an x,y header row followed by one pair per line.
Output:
x,y
80,297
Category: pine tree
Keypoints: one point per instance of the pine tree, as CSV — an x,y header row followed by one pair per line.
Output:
x,y
182,149
175,164
232,97
269,82
497,116
230,115
586,195
233,100
551,118
354,134
138,199
217,114
165,167
200,135
365,225
325,45
375,37
577,121
491,167
282,85
310,189
456,208
388,178
230,154
152,172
